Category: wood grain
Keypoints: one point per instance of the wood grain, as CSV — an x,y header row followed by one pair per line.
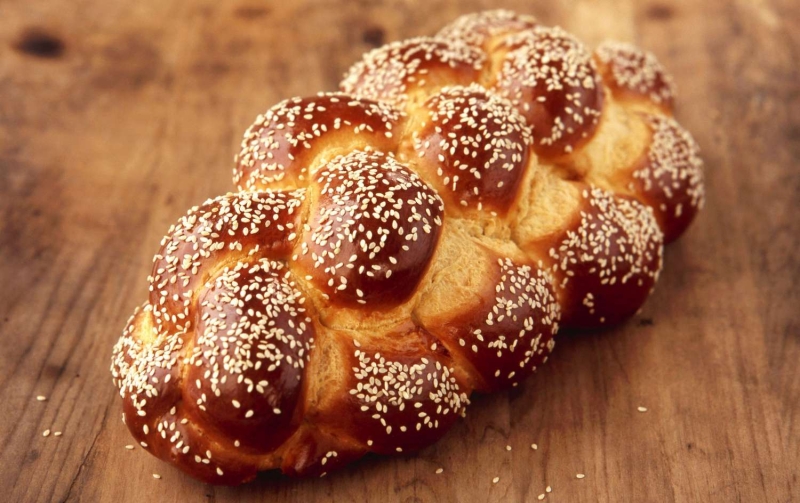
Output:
x,y
116,116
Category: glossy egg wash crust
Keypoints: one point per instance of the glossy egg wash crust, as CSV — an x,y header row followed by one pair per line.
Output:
x,y
395,246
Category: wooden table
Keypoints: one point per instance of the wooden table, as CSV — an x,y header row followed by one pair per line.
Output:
x,y
116,116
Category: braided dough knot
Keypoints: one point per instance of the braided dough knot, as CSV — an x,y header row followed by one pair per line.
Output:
x,y
392,247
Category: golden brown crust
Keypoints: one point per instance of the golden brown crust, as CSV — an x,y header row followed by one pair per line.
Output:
x,y
280,147
372,230
400,70
669,176
251,344
551,79
658,163
483,30
635,76
607,262
507,330
314,452
397,247
212,235
473,147
398,398
147,371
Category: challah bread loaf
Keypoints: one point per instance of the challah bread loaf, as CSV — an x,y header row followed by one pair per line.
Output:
x,y
392,247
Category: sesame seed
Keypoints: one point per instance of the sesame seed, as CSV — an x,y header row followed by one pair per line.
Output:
x,y
545,62
46,433
374,78
674,170
156,476
294,126
637,70
476,29
377,221
402,386
612,223
471,117
580,475
365,195
41,398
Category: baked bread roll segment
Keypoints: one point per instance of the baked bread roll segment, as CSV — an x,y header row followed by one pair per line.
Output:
x,y
395,246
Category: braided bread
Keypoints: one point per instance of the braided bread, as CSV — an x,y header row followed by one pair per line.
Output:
x,y
395,246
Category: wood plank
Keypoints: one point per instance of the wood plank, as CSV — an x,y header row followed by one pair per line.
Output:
x,y
117,116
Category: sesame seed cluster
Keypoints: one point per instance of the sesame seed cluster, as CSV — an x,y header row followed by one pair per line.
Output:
x,y
279,146
375,225
407,401
245,223
613,259
671,175
630,70
474,146
549,76
510,333
252,342
399,70
352,206
479,29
